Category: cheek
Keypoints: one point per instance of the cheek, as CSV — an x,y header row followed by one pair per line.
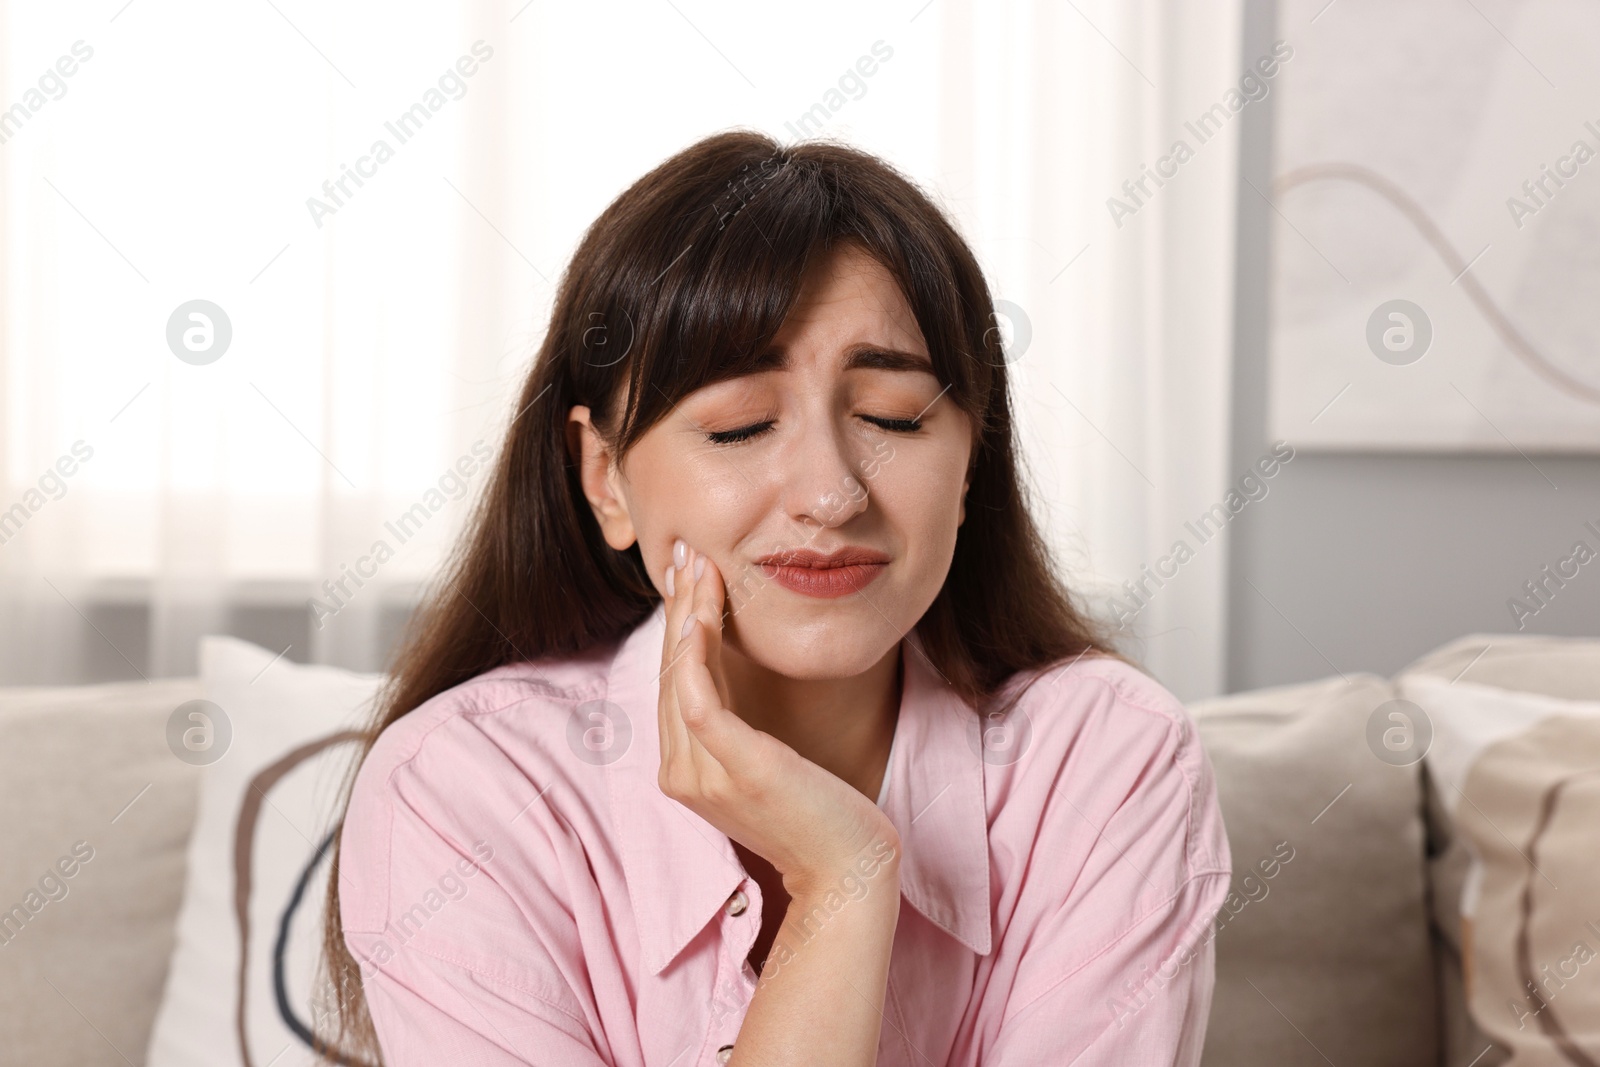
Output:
x,y
921,496
700,499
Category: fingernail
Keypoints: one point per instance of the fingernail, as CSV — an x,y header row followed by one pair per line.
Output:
x,y
688,624
680,553
670,590
699,567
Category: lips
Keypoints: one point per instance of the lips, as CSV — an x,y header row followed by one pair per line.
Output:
x,y
839,573
840,557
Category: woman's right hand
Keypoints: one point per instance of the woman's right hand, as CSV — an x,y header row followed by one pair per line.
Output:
x,y
811,825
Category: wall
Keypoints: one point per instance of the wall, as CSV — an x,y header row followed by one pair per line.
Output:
x,y
1363,562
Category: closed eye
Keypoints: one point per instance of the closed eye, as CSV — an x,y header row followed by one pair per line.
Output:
x,y
897,425
754,430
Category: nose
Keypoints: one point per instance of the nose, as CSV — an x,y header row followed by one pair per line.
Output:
x,y
821,488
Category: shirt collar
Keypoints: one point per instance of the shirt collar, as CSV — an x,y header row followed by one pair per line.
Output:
x,y
680,869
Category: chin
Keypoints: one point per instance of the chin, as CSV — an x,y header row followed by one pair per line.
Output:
x,y
835,641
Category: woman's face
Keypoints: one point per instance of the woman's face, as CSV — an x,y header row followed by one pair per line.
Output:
x,y
846,443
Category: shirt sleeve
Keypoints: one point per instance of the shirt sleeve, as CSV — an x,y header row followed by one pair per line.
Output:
x,y
1130,868
453,968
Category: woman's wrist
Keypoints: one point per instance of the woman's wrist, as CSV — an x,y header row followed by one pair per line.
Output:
x,y
855,910
871,870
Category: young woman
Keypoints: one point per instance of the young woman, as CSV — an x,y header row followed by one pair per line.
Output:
x,y
750,723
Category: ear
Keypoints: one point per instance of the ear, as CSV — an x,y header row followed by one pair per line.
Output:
x,y
966,482
601,480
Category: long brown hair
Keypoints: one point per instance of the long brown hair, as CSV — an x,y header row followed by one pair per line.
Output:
x,y
683,281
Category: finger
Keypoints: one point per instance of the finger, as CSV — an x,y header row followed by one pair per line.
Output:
x,y
665,700
710,596
727,739
675,741
677,738
677,582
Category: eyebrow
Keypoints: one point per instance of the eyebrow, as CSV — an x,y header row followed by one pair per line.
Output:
x,y
864,356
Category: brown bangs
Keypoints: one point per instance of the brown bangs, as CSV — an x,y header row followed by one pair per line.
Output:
x,y
700,299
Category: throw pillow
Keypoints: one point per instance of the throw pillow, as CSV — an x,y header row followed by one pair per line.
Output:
x,y
240,990
1519,779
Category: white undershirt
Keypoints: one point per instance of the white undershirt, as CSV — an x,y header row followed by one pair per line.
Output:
x,y
883,791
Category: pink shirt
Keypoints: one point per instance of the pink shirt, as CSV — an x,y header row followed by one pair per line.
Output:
x,y
519,890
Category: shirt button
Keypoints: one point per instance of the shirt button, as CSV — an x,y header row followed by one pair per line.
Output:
x,y
725,1053
736,906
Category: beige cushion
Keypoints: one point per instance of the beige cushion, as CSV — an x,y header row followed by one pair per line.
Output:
x,y
1329,955
1567,668
80,976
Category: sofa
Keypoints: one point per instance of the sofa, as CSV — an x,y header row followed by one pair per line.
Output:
x,y
165,844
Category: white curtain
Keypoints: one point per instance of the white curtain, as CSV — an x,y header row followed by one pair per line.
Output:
x,y
383,302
